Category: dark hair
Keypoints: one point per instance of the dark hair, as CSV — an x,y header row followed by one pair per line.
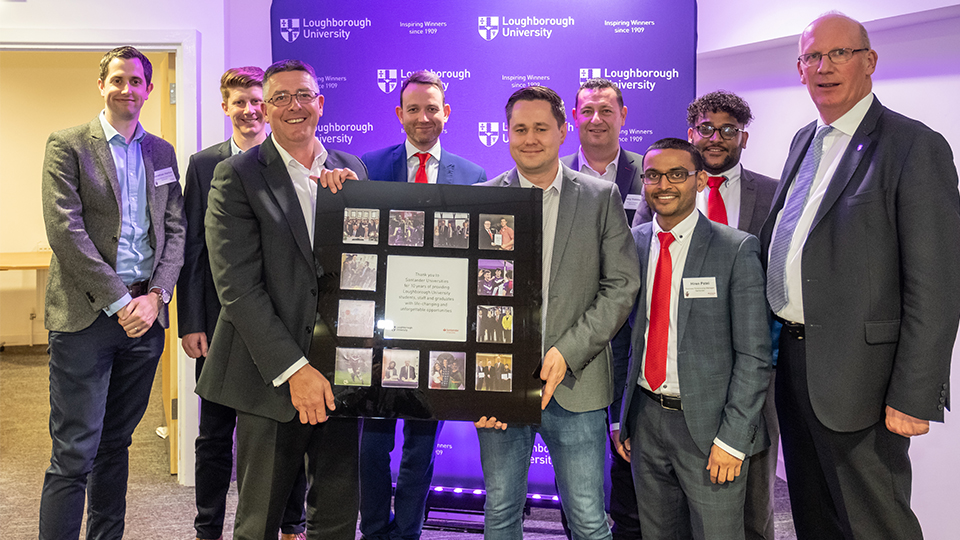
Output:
x,y
125,52
426,77
672,143
719,101
598,84
240,77
282,66
538,93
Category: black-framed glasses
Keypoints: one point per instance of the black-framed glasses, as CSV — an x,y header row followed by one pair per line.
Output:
x,y
674,176
283,99
727,131
837,56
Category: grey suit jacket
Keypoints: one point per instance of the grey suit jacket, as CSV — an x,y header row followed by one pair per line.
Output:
x,y
594,278
266,276
81,211
390,165
629,169
723,343
880,296
756,196
197,304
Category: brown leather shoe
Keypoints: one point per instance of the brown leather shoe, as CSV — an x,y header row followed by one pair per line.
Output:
x,y
298,536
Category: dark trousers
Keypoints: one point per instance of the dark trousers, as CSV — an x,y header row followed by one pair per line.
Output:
x,y
842,485
270,455
758,506
214,468
377,522
100,383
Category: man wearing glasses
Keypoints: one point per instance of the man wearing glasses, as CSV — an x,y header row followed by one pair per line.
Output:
x,y
700,358
260,228
862,246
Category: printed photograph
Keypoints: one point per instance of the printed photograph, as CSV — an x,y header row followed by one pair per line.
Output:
x,y
494,324
353,367
361,226
496,232
401,368
358,272
451,230
447,370
494,277
356,318
494,372
406,228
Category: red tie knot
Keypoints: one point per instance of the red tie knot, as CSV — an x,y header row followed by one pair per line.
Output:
x,y
715,181
423,157
666,238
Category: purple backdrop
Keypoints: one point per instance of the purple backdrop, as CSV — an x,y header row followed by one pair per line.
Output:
x,y
362,50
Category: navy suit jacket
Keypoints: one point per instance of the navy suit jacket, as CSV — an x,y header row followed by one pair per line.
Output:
x,y
390,165
880,297
723,343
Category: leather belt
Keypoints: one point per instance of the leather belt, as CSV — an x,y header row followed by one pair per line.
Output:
x,y
139,288
794,330
671,403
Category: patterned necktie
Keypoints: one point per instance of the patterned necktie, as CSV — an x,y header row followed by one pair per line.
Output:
x,y
655,365
421,177
716,210
780,245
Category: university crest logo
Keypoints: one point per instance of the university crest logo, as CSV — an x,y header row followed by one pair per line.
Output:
x,y
387,80
489,27
290,29
489,133
589,73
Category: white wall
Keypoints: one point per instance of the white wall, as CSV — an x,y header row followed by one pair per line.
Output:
x,y
918,74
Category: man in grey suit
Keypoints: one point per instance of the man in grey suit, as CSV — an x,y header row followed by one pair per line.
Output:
x,y
598,114
114,217
590,279
198,307
700,361
862,247
259,226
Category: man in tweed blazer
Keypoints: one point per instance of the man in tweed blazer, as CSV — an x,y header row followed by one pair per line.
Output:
x,y
114,217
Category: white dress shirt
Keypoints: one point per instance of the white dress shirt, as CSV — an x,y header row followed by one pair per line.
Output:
x,y
834,146
609,174
730,191
413,162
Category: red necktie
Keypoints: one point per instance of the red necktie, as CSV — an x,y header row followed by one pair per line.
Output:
x,y
716,210
655,367
421,177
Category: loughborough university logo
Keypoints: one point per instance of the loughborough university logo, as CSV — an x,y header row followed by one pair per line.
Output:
x,y
489,27
589,73
387,80
489,132
290,29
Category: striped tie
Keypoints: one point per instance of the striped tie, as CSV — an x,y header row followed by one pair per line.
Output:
x,y
780,245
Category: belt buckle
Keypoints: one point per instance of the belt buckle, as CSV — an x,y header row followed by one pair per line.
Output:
x,y
664,399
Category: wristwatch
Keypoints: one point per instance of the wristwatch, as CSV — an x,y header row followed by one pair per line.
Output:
x,y
163,293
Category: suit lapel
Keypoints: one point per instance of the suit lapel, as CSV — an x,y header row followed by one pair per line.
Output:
x,y
693,267
105,157
225,150
156,206
859,145
566,216
748,199
625,170
280,185
400,164
445,170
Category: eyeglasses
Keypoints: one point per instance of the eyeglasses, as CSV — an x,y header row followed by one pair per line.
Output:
x,y
837,56
674,176
284,99
727,132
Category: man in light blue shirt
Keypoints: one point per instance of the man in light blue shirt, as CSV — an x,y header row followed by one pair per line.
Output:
x,y
113,211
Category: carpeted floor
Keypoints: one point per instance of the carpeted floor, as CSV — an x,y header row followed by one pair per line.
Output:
x,y
158,508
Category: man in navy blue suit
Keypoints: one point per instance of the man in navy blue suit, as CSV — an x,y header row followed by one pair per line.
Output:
x,y
423,113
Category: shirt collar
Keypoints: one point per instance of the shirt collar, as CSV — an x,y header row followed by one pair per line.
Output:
x,y
683,230
234,149
556,184
732,174
850,121
320,155
434,150
109,131
612,166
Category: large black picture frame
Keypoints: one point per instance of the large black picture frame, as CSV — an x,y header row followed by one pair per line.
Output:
x,y
368,397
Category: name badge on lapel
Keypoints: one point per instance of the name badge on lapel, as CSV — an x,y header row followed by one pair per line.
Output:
x,y
164,177
700,287
632,201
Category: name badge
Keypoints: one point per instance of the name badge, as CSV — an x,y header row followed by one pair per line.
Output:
x,y
632,201
700,287
164,177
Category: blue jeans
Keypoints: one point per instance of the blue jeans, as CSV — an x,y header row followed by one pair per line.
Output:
x,y
413,477
577,442
100,383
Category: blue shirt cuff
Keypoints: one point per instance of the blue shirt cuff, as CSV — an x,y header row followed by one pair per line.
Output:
x,y
118,305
